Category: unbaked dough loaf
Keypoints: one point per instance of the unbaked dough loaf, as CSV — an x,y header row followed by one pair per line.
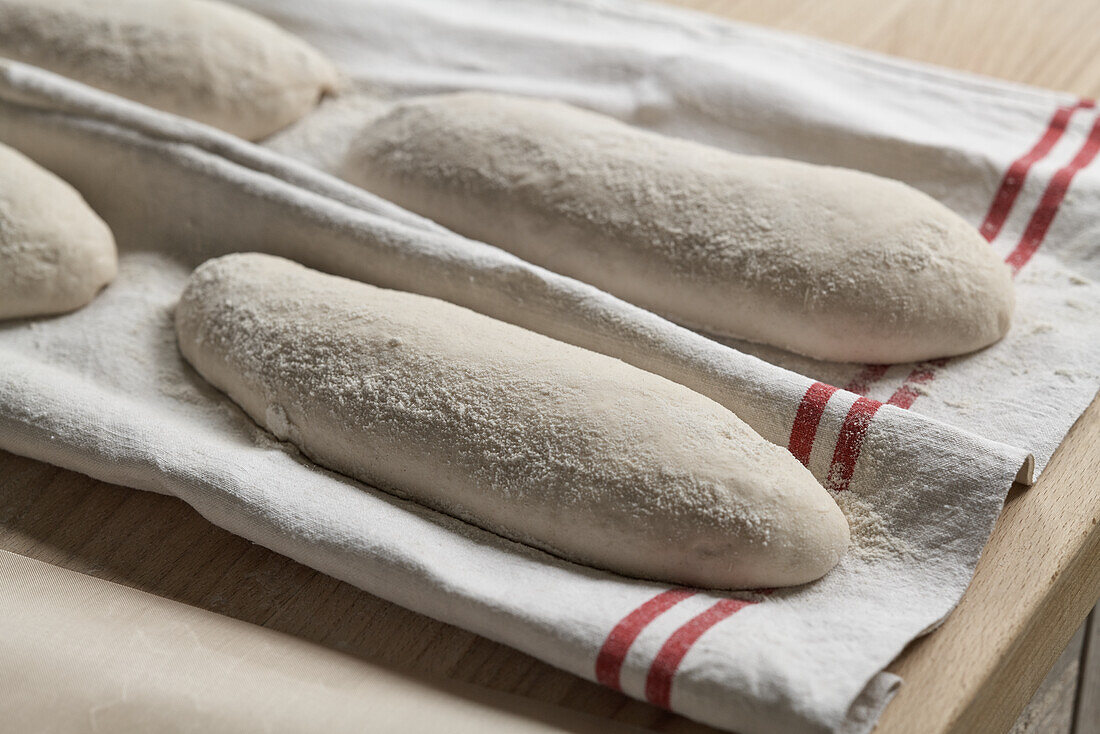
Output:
x,y
538,441
205,60
55,253
828,262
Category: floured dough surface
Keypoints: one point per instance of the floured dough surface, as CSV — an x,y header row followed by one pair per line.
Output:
x,y
205,60
827,262
547,444
55,252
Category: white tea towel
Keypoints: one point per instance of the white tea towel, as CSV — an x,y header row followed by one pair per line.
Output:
x,y
104,390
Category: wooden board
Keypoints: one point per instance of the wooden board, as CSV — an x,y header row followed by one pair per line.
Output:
x,y
1037,579
1048,44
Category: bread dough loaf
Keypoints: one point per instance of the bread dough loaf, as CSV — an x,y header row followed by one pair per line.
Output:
x,y
205,60
545,443
828,262
55,253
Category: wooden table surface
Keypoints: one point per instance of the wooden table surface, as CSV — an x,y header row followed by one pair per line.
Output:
x,y
1035,584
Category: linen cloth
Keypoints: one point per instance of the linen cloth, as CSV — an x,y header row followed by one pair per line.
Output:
x,y
104,390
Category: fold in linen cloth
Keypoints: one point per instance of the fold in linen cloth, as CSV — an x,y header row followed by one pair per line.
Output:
x,y
104,390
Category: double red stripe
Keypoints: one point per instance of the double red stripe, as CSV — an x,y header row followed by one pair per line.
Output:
x,y
1055,192
609,663
658,683
923,373
1014,177
662,671
849,440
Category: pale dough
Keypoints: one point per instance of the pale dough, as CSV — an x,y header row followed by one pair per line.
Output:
x,y
541,442
55,252
205,60
828,262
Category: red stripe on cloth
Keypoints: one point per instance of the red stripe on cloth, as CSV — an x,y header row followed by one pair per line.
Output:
x,y
849,442
1013,180
923,373
609,662
658,682
869,375
806,420
1055,192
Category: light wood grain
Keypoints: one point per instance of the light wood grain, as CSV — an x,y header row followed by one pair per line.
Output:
x,y
1048,44
1036,581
